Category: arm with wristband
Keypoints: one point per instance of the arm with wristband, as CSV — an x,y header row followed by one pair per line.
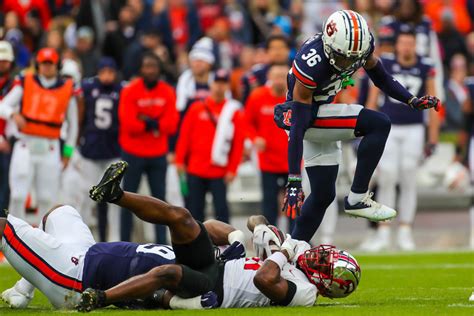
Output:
x,y
385,82
301,119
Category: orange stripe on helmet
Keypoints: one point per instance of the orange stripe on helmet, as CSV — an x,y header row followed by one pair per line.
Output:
x,y
355,22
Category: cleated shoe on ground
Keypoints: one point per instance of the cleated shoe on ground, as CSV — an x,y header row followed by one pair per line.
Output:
x,y
108,189
15,299
368,208
91,299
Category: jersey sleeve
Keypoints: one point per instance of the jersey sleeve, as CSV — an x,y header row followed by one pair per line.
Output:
x,y
430,67
303,72
305,294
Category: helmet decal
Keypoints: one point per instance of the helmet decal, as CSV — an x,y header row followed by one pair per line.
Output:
x,y
331,28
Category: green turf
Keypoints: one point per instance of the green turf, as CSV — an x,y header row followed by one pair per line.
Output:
x,y
414,284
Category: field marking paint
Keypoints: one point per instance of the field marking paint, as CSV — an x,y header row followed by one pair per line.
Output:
x,y
434,266
461,305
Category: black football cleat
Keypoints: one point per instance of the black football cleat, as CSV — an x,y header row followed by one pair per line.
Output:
x,y
108,189
91,299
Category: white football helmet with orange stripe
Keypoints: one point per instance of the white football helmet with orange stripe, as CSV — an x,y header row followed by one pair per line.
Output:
x,y
346,39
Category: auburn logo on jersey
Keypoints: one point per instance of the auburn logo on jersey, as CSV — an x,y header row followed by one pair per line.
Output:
x,y
287,118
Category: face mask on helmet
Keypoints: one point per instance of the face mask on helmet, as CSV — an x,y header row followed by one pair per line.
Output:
x,y
335,273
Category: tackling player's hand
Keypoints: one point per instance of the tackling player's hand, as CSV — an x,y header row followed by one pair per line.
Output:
x,y
262,235
294,196
424,103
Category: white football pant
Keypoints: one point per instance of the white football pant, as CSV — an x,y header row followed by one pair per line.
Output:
x,y
35,165
51,260
398,165
81,174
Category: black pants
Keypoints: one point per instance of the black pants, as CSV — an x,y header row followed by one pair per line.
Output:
x,y
198,187
155,170
272,185
4,187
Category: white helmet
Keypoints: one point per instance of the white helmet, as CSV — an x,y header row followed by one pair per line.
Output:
x,y
346,39
6,51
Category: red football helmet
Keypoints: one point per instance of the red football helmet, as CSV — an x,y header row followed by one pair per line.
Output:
x,y
335,272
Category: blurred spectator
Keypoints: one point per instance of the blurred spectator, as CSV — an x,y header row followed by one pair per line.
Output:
x,y
211,160
149,41
6,83
409,13
246,61
277,49
178,22
54,39
117,40
143,12
453,41
456,92
86,51
147,116
94,14
262,16
438,9
238,17
98,146
270,141
209,11
404,147
22,54
24,8
193,84
11,21
320,9
222,45
470,52
46,102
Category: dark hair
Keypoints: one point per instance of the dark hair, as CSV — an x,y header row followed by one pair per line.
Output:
x,y
277,37
416,15
151,55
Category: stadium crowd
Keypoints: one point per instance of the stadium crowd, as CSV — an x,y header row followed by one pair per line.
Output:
x,y
184,91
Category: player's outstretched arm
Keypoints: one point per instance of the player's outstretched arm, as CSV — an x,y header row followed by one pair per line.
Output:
x,y
301,120
268,278
385,82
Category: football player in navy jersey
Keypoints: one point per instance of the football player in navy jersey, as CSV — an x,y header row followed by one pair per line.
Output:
x,y
404,147
322,67
98,144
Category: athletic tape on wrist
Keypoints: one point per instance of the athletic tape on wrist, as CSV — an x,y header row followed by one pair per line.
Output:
x,y
279,258
68,151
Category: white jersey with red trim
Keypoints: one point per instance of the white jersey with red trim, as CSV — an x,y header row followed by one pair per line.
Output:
x,y
311,67
240,291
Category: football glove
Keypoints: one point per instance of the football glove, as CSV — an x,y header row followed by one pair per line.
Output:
x,y
262,235
234,251
425,102
209,300
294,196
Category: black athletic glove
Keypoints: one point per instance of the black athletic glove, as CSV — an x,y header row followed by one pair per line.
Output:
x,y
91,299
425,102
294,196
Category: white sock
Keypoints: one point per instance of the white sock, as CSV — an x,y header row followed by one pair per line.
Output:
x,y
355,198
177,302
24,287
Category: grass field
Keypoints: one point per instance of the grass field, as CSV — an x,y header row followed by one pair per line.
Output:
x,y
414,284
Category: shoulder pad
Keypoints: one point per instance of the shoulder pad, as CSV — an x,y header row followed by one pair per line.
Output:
x,y
387,56
469,80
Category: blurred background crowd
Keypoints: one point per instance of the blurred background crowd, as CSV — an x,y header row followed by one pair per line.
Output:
x,y
151,78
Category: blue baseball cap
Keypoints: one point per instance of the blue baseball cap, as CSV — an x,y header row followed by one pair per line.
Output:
x,y
107,62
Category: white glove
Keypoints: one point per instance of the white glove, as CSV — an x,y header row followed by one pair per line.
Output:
x,y
290,245
262,235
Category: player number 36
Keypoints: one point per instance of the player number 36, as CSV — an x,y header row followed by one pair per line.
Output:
x,y
312,58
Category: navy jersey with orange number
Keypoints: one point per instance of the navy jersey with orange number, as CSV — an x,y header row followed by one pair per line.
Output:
x,y
311,67
414,79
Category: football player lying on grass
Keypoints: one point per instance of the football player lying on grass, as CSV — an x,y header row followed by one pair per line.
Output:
x,y
61,258
282,279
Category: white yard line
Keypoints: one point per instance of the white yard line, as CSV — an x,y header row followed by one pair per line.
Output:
x,y
433,266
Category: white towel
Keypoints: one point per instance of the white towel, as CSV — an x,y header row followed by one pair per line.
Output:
x,y
222,142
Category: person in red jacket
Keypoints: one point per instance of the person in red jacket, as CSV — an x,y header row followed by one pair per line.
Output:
x,y
270,141
147,117
210,146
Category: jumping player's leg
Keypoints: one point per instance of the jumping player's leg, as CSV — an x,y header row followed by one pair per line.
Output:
x,y
323,191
